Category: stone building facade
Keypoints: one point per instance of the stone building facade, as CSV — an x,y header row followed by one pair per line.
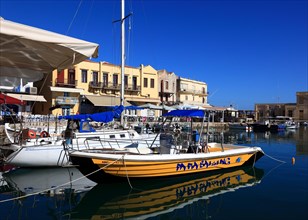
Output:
x,y
298,111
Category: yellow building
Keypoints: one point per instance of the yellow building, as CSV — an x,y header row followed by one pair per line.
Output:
x,y
92,86
191,92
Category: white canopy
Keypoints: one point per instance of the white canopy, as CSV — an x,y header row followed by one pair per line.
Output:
x,y
151,106
187,106
27,52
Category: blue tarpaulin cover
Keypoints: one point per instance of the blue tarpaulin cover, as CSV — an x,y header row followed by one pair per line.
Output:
x,y
185,113
99,117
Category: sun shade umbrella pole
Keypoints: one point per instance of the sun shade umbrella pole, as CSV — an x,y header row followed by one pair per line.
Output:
x,y
202,125
221,141
208,127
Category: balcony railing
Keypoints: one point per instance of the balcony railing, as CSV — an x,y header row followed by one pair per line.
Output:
x,y
132,88
63,100
66,83
111,86
95,85
129,87
194,92
169,103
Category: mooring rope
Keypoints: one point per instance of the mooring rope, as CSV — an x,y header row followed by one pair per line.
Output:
x,y
127,174
254,161
67,183
281,161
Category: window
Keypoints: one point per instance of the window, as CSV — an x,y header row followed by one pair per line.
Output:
x,y
84,76
71,77
300,99
115,79
184,87
167,85
134,82
95,76
152,83
186,97
105,79
145,82
126,81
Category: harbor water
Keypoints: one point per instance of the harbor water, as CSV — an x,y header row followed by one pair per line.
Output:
x,y
275,188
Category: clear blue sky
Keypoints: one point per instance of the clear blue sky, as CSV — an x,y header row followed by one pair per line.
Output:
x,y
246,51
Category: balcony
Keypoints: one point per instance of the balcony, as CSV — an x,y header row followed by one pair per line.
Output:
x,y
95,85
132,88
111,86
200,93
193,92
63,100
169,103
166,94
66,83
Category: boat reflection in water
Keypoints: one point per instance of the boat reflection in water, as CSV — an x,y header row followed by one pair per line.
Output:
x,y
29,180
42,193
157,197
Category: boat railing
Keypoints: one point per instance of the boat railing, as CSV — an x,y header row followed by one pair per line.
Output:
x,y
64,154
86,141
112,144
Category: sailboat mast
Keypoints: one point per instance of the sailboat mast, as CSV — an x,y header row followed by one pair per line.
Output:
x,y
122,54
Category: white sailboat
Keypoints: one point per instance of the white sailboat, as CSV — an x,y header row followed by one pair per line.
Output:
x,y
48,151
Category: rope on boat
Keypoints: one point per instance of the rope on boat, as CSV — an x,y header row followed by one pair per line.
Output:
x,y
254,160
127,174
55,187
271,170
281,161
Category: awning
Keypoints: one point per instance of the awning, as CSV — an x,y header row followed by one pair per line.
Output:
x,y
142,99
28,52
151,106
25,97
105,100
5,99
64,89
213,108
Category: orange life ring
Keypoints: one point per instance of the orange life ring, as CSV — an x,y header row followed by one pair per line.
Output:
x,y
44,134
31,134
